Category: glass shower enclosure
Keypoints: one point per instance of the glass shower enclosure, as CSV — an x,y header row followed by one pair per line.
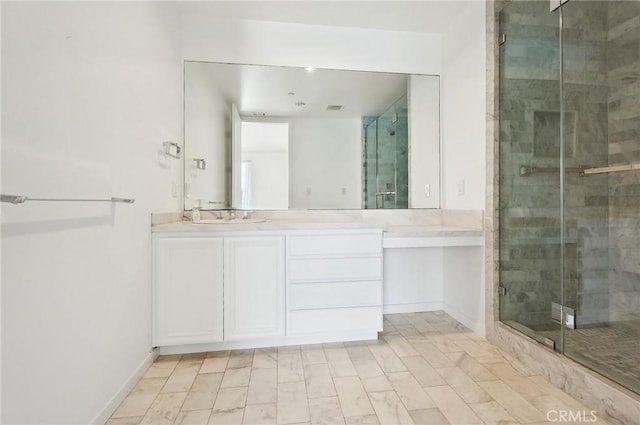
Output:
x,y
569,170
385,158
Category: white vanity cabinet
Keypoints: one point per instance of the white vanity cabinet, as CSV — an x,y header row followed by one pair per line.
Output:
x,y
214,289
253,287
229,289
187,290
334,283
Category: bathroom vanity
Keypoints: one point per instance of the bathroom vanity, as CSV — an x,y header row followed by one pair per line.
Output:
x,y
286,282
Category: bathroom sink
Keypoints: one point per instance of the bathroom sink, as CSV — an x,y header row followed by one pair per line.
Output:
x,y
230,221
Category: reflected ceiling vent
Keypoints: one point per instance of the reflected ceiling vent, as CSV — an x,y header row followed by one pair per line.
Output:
x,y
334,107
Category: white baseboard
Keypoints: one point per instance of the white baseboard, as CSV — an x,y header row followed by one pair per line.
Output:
x,y
412,307
476,324
104,415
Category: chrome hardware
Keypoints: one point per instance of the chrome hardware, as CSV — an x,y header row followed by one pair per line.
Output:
x,y
20,199
171,149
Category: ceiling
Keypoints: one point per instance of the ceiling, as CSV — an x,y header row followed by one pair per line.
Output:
x,y
414,16
274,91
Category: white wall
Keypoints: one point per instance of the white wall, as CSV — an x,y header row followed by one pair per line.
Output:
x,y
207,123
325,159
89,93
423,98
207,38
463,109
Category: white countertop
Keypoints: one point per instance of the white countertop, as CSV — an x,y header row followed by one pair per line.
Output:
x,y
393,231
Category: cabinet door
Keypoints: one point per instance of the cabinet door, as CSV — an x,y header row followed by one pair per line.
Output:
x,y
253,287
188,290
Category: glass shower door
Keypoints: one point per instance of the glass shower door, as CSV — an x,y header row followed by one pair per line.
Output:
x,y
530,196
601,86
386,160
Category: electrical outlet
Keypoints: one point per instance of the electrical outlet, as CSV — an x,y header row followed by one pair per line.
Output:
x,y
461,187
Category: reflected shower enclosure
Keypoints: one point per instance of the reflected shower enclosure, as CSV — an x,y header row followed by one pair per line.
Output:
x,y
385,158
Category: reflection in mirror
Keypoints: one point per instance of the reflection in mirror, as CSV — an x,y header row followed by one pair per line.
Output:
x,y
278,138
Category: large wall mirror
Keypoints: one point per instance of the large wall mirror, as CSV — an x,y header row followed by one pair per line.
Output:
x,y
267,137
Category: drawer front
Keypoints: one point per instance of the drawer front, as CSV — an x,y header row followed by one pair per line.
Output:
x,y
335,294
335,269
335,320
335,245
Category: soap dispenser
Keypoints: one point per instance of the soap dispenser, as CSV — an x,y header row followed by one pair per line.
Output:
x,y
195,211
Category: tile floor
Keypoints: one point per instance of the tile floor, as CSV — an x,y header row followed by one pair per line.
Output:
x,y
426,368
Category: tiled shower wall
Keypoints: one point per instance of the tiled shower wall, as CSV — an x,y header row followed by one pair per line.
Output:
x,y
529,205
387,156
623,47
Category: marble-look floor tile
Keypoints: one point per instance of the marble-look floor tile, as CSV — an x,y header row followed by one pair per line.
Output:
x,y
410,391
313,354
408,331
492,412
215,362
293,405
428,417
240,358
183,376
353,398
193,417
203,392
265,358
260,414
453,406
288,349
163,367
444,343
364,362
140,398
431,353
339,362
164,409
475,348
325,411
263,386
236,377
464,385
131,420
471,367
362,420
397,319
400,346
377,383
349,382
514,403
424,373
319,382
389,408
227,417
387,358
290,367
230,399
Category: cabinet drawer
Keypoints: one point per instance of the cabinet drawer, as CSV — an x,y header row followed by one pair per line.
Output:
x,y
335,244
335,320
335,294
335,269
